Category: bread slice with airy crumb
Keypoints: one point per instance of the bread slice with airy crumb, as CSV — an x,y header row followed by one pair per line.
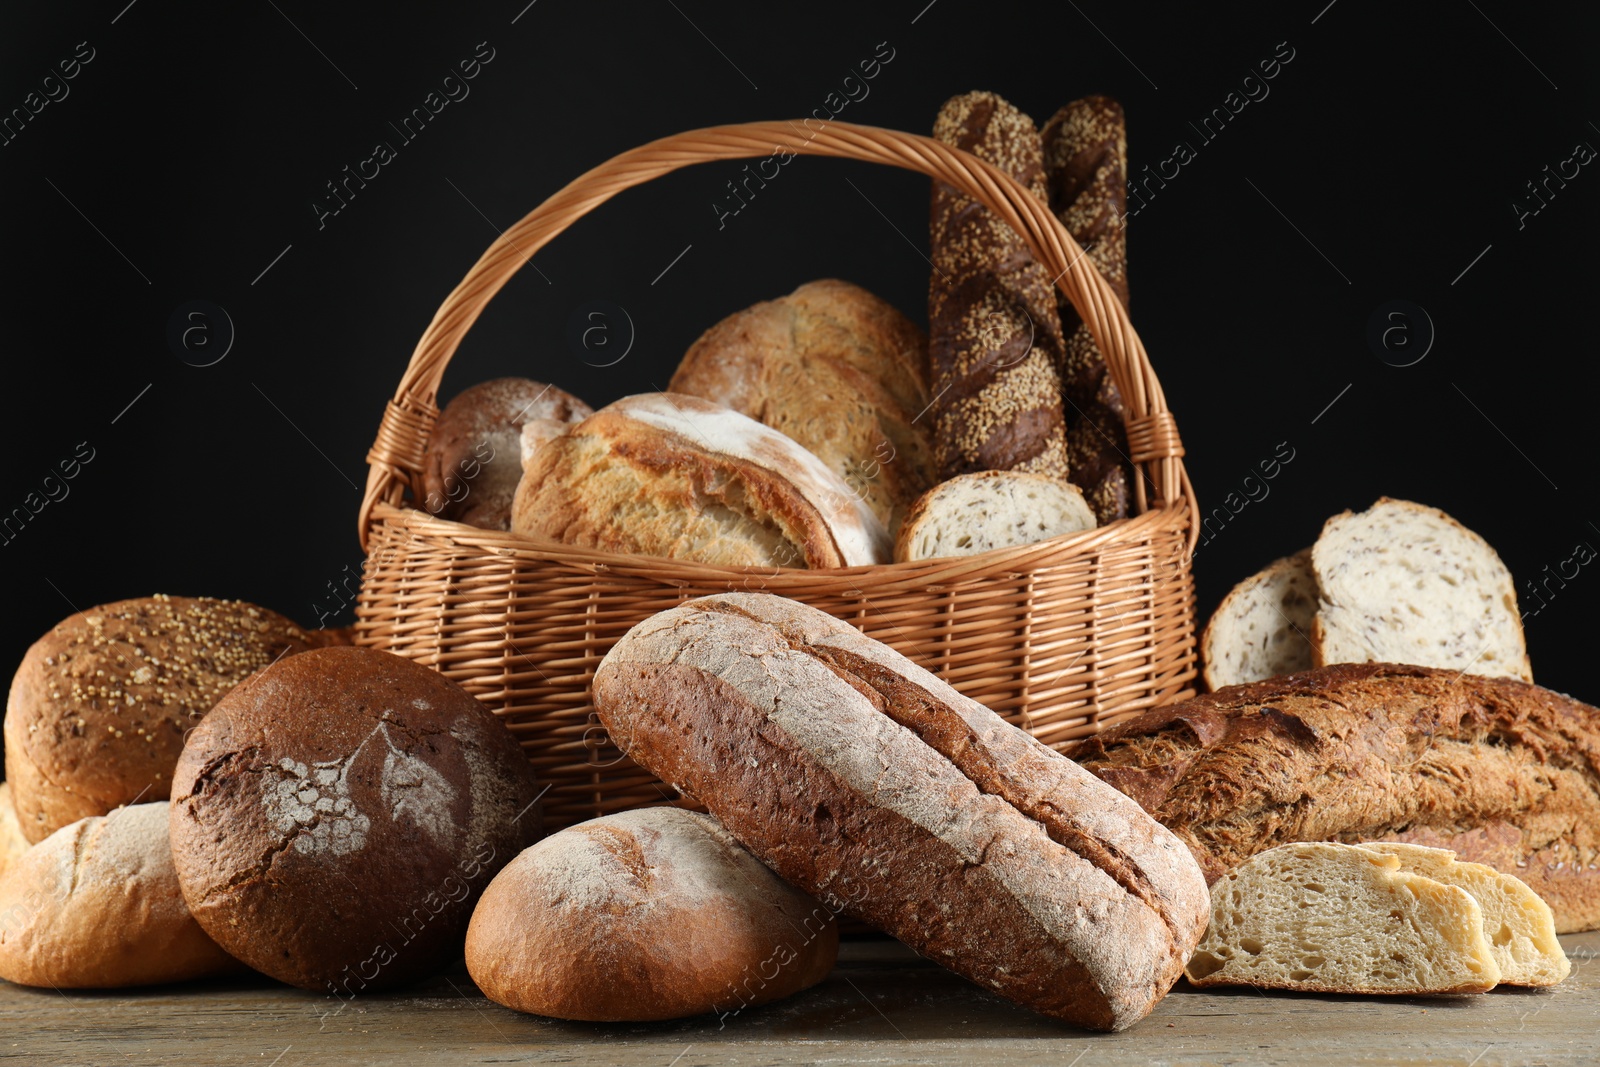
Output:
x,y
977,512
1516,921
1332,918
1404,583
1263,627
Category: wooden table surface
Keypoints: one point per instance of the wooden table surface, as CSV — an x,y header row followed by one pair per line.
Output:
x,y
882,1005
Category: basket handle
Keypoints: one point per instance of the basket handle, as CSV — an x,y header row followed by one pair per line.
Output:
x,y
396,457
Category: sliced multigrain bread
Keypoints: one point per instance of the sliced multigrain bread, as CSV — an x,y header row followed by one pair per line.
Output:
x,y
1405,583
1333,918
1518,924
974,513
1263,627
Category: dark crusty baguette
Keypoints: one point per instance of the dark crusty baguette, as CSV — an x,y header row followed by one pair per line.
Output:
x,y
1499,771
1086,170
861,778
994,335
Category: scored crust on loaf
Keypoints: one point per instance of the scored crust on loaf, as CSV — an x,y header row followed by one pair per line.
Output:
x,y
1262,628
1404,583
835,368
656,913
1500,771
1518,925
860,777
681,477
1333,918
977,512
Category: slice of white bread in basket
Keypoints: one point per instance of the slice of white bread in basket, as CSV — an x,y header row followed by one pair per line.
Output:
x,y
1332,918
1517,922
1405,583
662,474
984,510
1263,627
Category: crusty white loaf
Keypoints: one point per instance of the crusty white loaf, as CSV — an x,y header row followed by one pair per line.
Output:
x,y
1405,583
1262,628
976,512
1331,918
651,914
859,777
96,905
660,474
12,841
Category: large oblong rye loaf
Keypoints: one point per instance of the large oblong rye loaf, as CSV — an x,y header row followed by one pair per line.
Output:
x,y
1499,771
994,336
858,776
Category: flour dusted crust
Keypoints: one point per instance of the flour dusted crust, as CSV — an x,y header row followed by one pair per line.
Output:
x,y
96,905
650,914
1499,771
1085,147
667,475
480,442
335,817
994,340
100,705
838,370
859,777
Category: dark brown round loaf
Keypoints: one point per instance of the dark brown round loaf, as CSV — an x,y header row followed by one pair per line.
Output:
x,y
335,817
474,457
100,706
651,914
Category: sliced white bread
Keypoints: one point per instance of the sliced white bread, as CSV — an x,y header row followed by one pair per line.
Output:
x,y
977,512
1333,918
1517,922
1263,627
1404,583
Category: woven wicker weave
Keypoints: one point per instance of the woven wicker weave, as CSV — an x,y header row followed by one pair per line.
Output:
x,y
1061,637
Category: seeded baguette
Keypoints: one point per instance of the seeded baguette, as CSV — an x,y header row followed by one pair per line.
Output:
x,y
859,777
994,337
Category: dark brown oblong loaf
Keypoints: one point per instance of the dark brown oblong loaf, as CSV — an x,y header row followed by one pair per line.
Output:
x,y
1500,771
862,779
1086,169
994,337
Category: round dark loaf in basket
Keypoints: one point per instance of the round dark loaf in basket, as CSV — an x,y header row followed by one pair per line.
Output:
x,y
1059,636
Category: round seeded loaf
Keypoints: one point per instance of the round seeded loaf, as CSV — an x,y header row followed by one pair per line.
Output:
x,y
335,817
650,914
96,905
100,706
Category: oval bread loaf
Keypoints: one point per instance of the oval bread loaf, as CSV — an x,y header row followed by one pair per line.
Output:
x,y
857,775
96,905
651,914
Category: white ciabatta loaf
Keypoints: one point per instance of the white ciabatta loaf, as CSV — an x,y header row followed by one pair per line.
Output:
x,y
1331,918
865,781
1262,628
1518,924
1404,583
837,369
96,905
651,914
660,474
974,513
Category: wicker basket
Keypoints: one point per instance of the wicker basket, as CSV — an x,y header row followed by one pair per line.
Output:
x,y
1061,637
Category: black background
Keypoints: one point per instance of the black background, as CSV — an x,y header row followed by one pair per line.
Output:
x,y
191,149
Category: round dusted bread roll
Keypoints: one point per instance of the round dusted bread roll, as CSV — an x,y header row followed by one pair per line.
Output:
x,y
96,905
335,817
477,448
100,706
656,913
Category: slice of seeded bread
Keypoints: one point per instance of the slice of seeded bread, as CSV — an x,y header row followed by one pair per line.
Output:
x,y
1333,918
976,512
1263,627
1404,583
1517,923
